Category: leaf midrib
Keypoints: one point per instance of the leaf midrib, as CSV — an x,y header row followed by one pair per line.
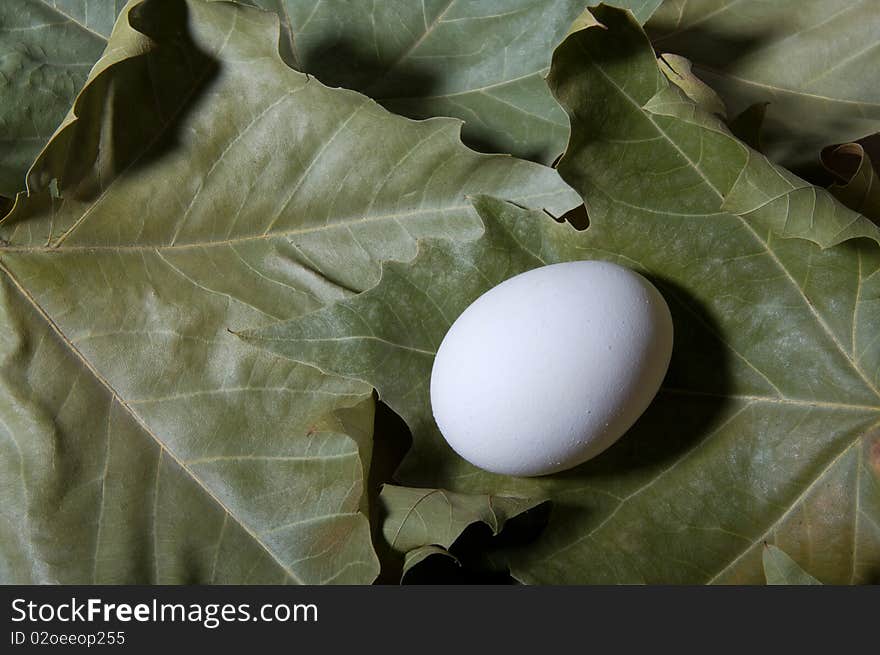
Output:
x,y
70,19
795,402
780,89
347,223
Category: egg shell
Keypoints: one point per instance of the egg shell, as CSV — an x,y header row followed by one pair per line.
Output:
x,y
551,367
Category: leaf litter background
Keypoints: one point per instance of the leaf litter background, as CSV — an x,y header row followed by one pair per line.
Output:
x,y
146,441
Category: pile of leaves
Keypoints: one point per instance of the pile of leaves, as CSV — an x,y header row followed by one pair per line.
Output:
x,y
234,235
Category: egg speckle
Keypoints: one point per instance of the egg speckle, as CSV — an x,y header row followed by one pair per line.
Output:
x,y
551,367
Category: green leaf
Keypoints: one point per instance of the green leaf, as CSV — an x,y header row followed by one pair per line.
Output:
x,y
655,132
766,427
417,521
780,569
858,185
815,61
46,50
48,46
144,442
734,450
482,62
97,490
679,71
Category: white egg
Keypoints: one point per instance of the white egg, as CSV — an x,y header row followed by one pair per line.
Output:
x,y
551,367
